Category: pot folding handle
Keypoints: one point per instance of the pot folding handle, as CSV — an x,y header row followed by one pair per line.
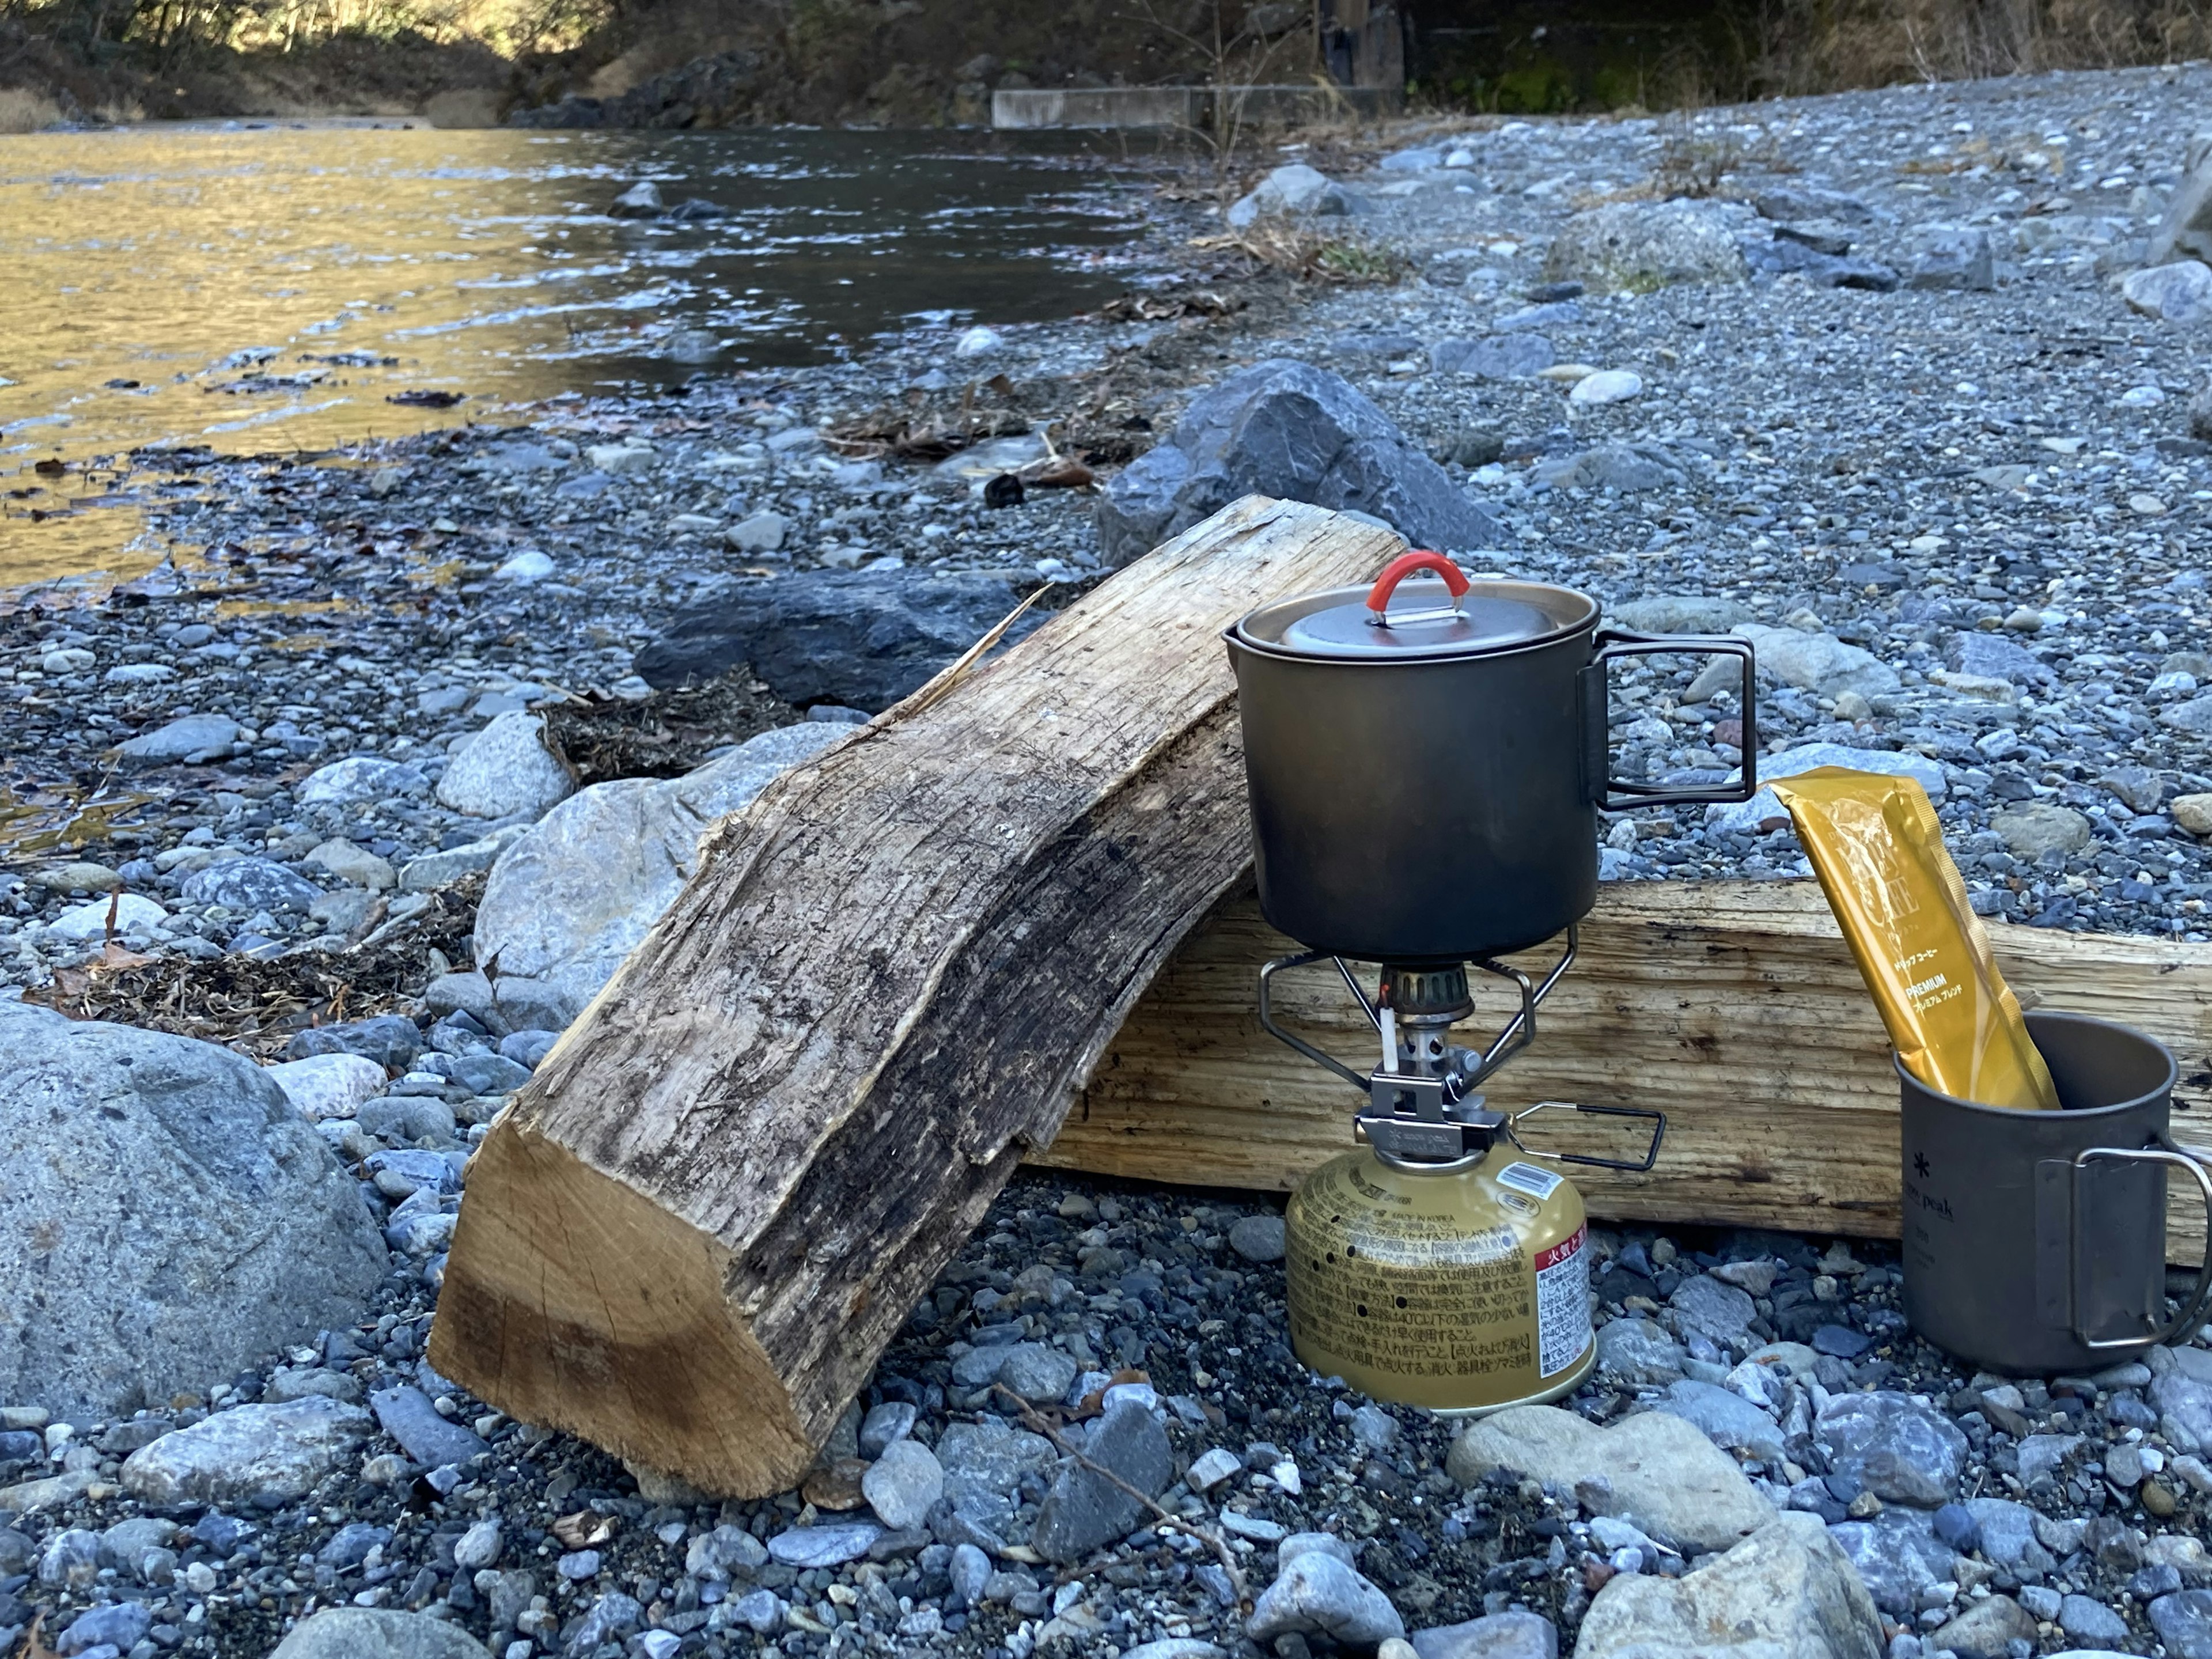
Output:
x,y
1378,597
1618,794
2184,1324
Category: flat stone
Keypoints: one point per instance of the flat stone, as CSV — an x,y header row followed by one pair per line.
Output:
x,y
861,639
1721,1311
892,1421
1985,1630
902,1483
1654,1470
329,1085
1726,1418
1258,1237
354,864
245,885
246,1451
2033,828
1607,386
1084,1511
824,1546
1819,663
90,920
191,739
406,1414
360,778
1786,1592
1953,257
2006,1533
193,1223
1511,356
390,1040
984,1463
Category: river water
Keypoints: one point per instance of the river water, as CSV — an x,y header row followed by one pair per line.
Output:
x,y
273,289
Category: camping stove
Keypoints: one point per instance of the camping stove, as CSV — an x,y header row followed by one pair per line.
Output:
x,y
1442,1264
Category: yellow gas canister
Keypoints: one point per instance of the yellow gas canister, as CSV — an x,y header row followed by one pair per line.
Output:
x,y
1462,1286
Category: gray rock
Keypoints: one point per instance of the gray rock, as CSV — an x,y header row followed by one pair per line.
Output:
x,y
860,638
506,771
450,864
2184,1406
1036,1372
612,1617
892,1421
574,896
406,1414
359,777
245,885
1900,1450
1898,1555
1637,246
2086,1620
2042,1454
1512,357
2033,828
407,1118
1284,429
1083,1512
1175,1647
902,1483
1765,808
390,1040
479,1546
192,1223
1300,1543
723,1553
488,1074
1294,189
1726,1418
1637,1354
2007,1534
192,739
640,201
969,1570
1722,1312
1819,663
1626,467
1257,1237
2183,1622
1374,1428
117,1625
1317,1595
126,1545
246,1451
758,532
329,1085
984,1462
71,1558
1953,257
1681,613
1786,1592
2180,292
760,1611
1654,1470
1498,1636
1985,1630
1993,656
824,1546
2194,716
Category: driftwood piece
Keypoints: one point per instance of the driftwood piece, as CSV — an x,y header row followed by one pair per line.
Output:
x,y
1732,1006
695,1232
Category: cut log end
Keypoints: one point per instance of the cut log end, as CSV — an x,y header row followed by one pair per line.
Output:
x,y
588,1308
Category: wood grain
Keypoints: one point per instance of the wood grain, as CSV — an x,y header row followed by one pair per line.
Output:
x,y
1732,1006
695,1232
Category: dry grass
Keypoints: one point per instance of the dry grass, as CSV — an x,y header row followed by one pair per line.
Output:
x,y
1308,255
22,110
1821,46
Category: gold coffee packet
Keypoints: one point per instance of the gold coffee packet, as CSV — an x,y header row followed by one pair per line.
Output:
x,y
1877,846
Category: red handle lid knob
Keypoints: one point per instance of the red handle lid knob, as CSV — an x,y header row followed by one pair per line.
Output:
x,y
1378,597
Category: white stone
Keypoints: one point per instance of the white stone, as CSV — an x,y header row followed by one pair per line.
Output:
x,y
248,1450
349,861
618,459
525,569
2178,293
89,920
359,777
329,1085
1608,386
761,532
506,770
975,341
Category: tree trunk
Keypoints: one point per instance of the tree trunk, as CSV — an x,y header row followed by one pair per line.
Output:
x,y
696,1231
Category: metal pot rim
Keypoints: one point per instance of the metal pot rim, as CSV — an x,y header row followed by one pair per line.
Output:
x,y
1280,614
2071,1114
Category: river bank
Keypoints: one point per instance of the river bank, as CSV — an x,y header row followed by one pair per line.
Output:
x,y
1900,425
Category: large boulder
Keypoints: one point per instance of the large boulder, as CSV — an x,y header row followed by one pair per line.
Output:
x,y
576,895
2179,292
247,1453
1285,429
862,639
1786,1592
166,1216
1636,246
1295,188
377,1633
1655,1471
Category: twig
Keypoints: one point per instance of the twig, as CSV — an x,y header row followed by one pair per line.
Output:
x,y
1205,1535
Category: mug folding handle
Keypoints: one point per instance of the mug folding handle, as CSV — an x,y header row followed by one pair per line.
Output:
x,y
2183,1324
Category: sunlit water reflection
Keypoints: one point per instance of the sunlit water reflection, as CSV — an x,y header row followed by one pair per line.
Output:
x,y
273,289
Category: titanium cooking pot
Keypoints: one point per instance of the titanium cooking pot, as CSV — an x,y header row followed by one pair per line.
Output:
x,y
1425,781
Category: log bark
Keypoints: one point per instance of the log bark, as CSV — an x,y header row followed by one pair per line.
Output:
x,y
693,1235
1732,1006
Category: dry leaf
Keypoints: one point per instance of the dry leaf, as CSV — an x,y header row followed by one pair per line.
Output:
x,y
584,1528
1094,1403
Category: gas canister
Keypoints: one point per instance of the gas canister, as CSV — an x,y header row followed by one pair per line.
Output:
x,y
1463,1285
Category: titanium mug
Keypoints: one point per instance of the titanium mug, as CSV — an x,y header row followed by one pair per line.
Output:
x,y
2035,1242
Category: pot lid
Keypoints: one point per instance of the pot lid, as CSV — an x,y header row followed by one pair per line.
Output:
x,y
1442,616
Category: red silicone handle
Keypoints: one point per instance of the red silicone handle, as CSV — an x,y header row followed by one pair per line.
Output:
x,y
1378,597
